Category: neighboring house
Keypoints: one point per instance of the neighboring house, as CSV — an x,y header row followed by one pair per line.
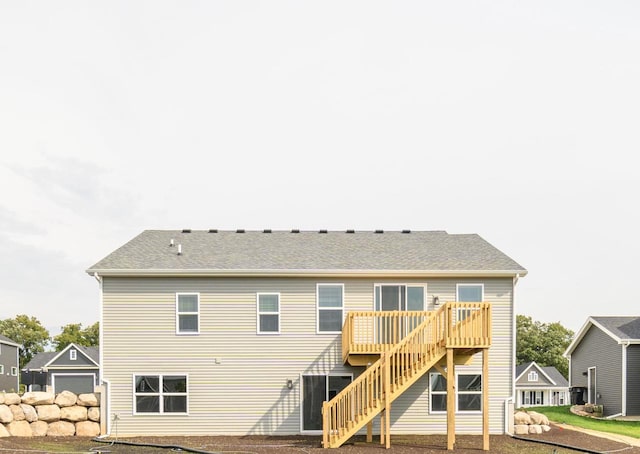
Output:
x,y
249,332
75,368
604,360
537,385
9,361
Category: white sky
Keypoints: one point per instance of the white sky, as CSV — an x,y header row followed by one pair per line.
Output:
x,y
518,121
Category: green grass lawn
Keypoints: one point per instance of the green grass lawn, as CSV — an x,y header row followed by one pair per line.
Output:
x,y
563,415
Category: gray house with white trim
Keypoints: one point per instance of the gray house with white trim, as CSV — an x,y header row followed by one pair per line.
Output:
x,y
75,368
9,362
604,360
540,385
241,332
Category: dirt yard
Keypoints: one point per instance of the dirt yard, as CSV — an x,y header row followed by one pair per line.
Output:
x,y
400,444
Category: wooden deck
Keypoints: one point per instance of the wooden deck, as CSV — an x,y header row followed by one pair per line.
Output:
x,y
398,347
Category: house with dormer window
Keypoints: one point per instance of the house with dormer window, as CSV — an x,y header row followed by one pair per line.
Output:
x,y
540,386
278,332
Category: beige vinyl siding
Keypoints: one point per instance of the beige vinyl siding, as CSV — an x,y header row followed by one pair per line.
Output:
x,y
237,378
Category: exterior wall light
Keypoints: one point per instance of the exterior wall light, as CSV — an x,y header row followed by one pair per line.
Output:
x,y
436,300
289,383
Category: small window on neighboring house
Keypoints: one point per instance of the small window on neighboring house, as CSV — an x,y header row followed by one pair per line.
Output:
x,y
14,371
160,394
73,355
268,313
187,313
330,306
533,376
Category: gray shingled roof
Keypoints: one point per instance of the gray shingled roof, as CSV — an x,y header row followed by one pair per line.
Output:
x,y
625,328
551,372
254,251
42,359
6,340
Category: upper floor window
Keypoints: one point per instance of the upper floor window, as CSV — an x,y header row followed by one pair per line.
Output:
x,y
470,293
1,369
160,393
468,392
533,376
73,355
187,313
268,313
330,307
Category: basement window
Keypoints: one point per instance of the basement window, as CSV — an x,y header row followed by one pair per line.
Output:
x,y
468,393
160,394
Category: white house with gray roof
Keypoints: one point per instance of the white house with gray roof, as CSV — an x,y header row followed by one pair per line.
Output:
x,y
209,332
540,386
604,364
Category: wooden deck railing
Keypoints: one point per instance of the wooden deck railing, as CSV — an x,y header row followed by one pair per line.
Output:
x,y
421,341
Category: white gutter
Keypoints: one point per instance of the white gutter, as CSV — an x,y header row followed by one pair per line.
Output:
x,y
513,337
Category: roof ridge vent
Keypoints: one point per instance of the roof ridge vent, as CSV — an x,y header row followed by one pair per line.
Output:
x,y
186,230
379,231
240,231
266,231
295,230
406,231
351,231
213,230
323,231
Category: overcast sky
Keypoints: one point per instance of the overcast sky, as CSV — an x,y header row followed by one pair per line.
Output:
x,y
519,121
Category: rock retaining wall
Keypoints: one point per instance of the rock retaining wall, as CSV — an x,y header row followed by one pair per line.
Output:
x,y
44,414
530,422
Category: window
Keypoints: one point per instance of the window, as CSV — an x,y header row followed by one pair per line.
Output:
x,y
14,371
73,355
1,369
268,313
468,293
160,394
315,390
533,376
468,393
187,311
330,307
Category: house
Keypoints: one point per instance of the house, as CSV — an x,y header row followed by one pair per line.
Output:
x,y
250,332
9,361
537,385
604,362
75,368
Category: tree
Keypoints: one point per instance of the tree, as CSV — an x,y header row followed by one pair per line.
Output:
x,y
73,333
543,343
28,332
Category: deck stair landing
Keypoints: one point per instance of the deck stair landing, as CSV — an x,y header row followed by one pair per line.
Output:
x,y
462,328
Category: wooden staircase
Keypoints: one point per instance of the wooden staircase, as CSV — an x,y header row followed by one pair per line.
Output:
x,y
464,327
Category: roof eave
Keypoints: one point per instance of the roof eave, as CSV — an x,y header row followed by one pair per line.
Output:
x,y
301,272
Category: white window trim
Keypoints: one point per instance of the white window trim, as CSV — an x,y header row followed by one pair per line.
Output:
x,y
178,313
159,394
301,396
53,378
456,393
532,376
469,284
318,309
406,285
14,371
259,313
1,369
73,354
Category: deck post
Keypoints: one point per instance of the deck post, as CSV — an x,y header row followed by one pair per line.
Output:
x,y
325,425
387,400
451,400
485,399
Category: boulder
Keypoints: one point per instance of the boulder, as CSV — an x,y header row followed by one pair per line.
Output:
x,y
38,398
545,428
30,413
48,413
538,418
18,414
521,429
39,428
87,429
88,400
6,415
61,429
73,414
535,429
66,399
521,417
93,413
1,398
11,399
19,429
4,432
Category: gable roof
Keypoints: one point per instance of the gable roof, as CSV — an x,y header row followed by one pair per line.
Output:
x,y
44,360
5,340
551,373
156,252
622,329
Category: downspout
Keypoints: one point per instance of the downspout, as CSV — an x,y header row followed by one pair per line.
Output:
x,y
107,402
512,399
625,345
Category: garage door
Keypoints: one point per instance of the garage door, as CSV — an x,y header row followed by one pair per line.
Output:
x,y
78,384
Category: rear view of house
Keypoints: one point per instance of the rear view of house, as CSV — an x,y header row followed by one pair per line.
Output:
x,y
604,364
251,332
